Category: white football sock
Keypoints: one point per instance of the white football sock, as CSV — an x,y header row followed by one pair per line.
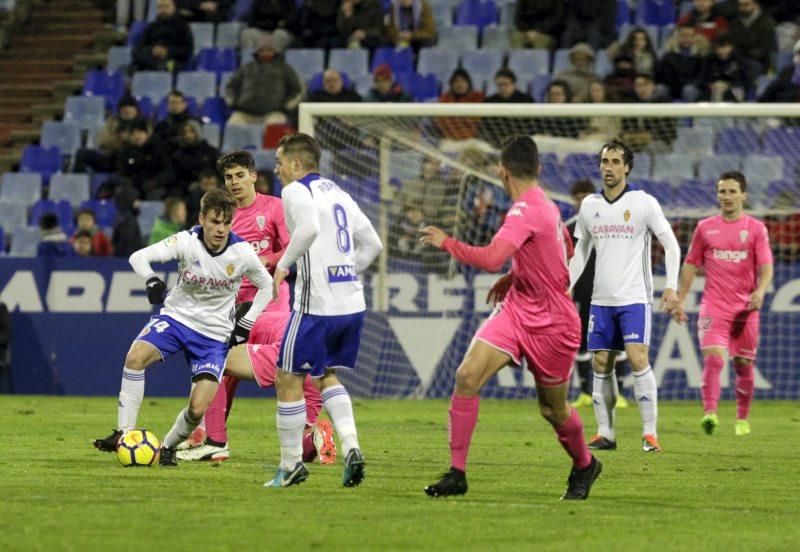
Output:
x,y
337,404
131,394
604,398
181,429
646,394
291,420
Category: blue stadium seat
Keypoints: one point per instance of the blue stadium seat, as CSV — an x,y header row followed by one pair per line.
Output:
x,y
442,14
602,65
42,160
151,84
215,110
228,34
241,10
135,32
539,86
560,60
783,141
119,58
24,242
352,62
13,214
697,142
363,84
217,60
107,84
65,136
62,209
709,168
22,187
439,62
507,12
149,211
642,166
738,141
85,111
783,59
400,59
264,159
481,64
696,194
224,77
623,13
105,211
405,165
73,188
659,189
307,62
777,187
198,84
496,37
212,133
477,12
760,170
529,62
242,137
655,12
458,37
553,177
673,167
202,36
423,88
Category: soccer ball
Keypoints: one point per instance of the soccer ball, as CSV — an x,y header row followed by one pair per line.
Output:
x,y
138,447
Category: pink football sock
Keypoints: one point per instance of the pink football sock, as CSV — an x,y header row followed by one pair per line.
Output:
x,y
570,435
218,410
745,383
709,390
463,417
313,400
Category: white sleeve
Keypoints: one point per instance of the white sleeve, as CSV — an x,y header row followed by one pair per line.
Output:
x,y
258,274
166,250
672,257
577,264
581,232
366,240
656,221
298,206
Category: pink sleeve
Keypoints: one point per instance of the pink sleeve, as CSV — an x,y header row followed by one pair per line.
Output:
x,y
762,249
696,248
490,258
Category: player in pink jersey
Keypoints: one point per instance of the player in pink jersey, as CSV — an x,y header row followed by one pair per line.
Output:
x,y
258,220
733,248
535,320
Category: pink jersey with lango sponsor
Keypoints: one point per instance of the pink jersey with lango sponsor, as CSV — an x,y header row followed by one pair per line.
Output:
x,y
732,254
538,298
262,225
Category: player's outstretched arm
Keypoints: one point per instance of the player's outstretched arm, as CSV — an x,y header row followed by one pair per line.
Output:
x,y
490,258
672,260
688,272
140,261
577,264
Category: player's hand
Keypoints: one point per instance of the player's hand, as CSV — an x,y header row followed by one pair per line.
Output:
x,y
679,315
432,235
499,289
156,290
240,333
669,300
755,301
280,276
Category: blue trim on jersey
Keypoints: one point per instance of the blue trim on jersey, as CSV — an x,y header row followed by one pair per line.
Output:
x,y
232,239
308,179
627,188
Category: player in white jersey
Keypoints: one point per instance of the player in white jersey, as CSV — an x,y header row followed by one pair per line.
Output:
x,y
618,224
197,317
332,241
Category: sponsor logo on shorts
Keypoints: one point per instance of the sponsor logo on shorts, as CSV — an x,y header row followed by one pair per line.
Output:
x,y
342,273
213,366
730,255
632,335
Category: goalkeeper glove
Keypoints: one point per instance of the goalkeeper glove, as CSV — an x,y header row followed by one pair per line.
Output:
x,y
156,290
240,333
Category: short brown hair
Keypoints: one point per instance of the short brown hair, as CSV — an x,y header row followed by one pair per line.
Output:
x,y
303,147
520,156
240,158
737,176
219,201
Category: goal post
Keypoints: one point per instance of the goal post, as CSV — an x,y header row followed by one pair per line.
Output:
x,y
409,165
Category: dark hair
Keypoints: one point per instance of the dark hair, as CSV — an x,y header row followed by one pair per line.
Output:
x,y
219,201
737,176
520,156
170,203
139,124
207,172
86,211
177,93
619,145
303,147
564,85
460,73
582,186
48,221
724,39
647,76
236,158
506,73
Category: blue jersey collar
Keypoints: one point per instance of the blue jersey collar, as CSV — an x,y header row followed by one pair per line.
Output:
x,y
308,179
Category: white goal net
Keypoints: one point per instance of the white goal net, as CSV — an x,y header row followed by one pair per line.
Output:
x,y
411,165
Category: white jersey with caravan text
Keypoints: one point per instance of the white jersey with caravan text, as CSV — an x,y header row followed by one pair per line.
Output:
x,y
204,297
621,232
327,283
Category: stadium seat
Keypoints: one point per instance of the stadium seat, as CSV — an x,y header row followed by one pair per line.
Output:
x,y
602,65
783,141
352,62
228,34
212,133
642,166
42,160
553,177
70,187
24,242
477,12
105,211
507,12
759,170
215,110
738,141
264,159
783,59
458,38
496,37
696,142
777,187
62,209
560,60
107,84
423,88
673,167
65,136
655,12
151,84
149,211
401,60
709,168
202,36
696,194
119,58
326,162
539,86
529,62
217,60
241,10
442,14
224,77
659,189
623,13
242,137
405,165
273,134
13,214
85,111
307,62
199,84
439,62
364,83
481,64
22,187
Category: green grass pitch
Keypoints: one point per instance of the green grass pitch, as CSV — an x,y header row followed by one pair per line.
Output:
x,y
702,493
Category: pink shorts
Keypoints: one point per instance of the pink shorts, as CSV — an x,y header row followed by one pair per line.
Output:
x,y
262,360
738,333
550,356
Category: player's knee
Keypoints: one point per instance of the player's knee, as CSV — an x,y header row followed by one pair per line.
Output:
x,y
556,415
134,360
467,381
742,366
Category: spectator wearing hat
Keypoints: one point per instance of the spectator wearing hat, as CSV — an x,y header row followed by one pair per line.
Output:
x,y
537,23
360,24
333,89
460,91
86,221
411,23
191,158
166,44
267,90
591,21
384,88
276,19
580,74
109,139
